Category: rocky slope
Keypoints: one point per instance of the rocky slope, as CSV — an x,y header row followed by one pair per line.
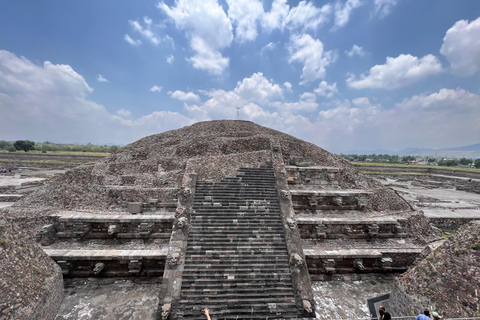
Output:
x,y
448,279
154,167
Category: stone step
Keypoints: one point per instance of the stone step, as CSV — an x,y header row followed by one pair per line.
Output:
x,y
239,270
234,277
254,299
273,291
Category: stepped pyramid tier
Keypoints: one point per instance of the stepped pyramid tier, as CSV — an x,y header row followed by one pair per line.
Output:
x,y
232,216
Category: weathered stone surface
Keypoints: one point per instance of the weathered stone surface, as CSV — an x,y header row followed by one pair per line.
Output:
x,y
31,284
448,279
155,167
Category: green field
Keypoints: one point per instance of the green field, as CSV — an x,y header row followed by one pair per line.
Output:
x,y
62,153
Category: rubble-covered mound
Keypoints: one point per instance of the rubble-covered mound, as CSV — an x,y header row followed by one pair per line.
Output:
x,y
448,279
153,167
31,284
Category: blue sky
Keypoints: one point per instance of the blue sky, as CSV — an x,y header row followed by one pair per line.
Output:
x,y
344,74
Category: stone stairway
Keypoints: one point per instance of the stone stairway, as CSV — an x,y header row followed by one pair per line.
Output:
x,y
236,261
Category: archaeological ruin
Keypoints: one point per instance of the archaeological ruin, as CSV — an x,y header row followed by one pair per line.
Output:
x,y
226,215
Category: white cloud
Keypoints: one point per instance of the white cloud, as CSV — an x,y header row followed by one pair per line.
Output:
x,y
156,88
343,12
124,113
288,86
326,90
258,89
384,7
132,41
305,16
206,39
170,59
275,17
269,47
54,96
100,78
397,72
461,47
146,30
184,96
245,13
309,51
306,103
356,50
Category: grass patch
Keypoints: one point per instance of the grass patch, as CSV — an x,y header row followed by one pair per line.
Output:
x,y
45,161
397,173
447,234
61,153
400,165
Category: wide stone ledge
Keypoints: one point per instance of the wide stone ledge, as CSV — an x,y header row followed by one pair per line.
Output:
x,y
111,218
318,252
328,169
331,193
315,219
65,254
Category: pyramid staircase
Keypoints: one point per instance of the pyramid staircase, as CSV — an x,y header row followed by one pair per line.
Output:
x,y
236,261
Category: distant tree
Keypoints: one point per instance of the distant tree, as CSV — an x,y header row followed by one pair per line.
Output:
x,y
11,149
25,145
476,164
448,163
408,158
465,161
430,160
114,149
5,144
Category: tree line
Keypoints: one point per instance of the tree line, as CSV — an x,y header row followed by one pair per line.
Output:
x,y
27,145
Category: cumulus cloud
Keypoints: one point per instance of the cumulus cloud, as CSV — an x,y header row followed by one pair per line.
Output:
x,y
184,96
245,13
54,96
461,47
384,7
344,11
170,59
288,86
124,113
326,90
100,78
257,88
356,50
397,72
206,39
304,16
306,103
133,42
156,89
303,48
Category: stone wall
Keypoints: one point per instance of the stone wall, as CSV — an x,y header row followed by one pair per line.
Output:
x,y
31,285
217,167
446,280
449,224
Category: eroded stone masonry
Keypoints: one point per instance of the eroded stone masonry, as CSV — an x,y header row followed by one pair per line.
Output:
x,y
230,215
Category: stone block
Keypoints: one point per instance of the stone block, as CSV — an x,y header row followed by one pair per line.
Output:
x,y
135,207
